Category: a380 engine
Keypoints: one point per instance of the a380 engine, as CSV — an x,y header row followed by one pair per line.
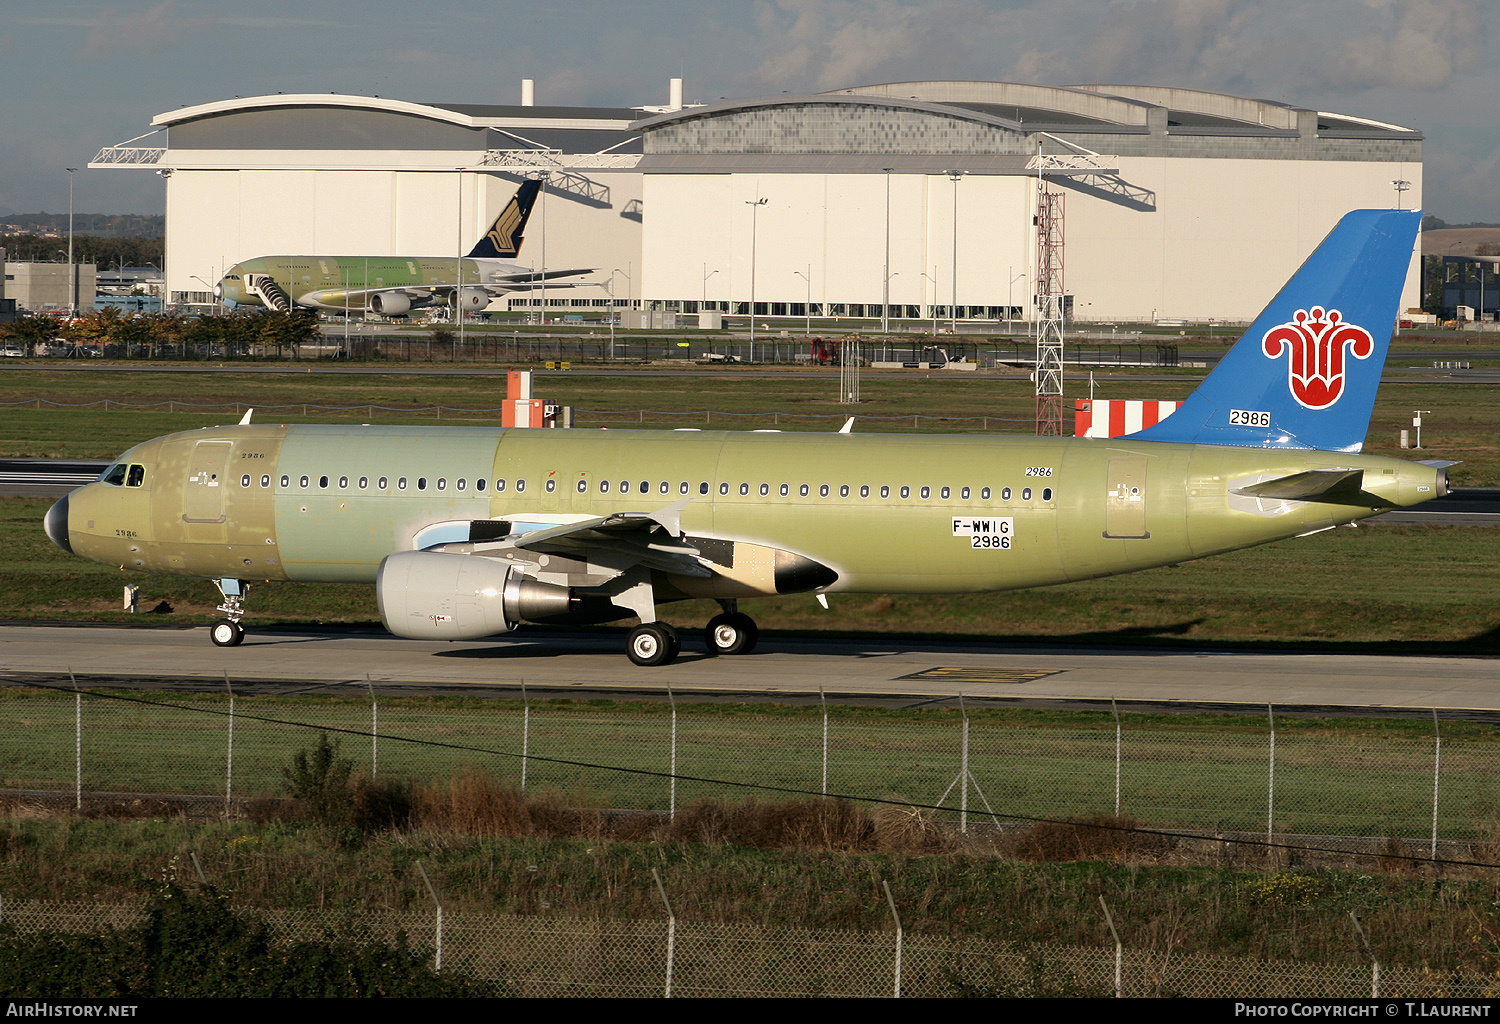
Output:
x,y
433,595
390,303
470,299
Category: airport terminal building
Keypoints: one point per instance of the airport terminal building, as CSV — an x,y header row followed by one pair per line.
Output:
x,y
919,200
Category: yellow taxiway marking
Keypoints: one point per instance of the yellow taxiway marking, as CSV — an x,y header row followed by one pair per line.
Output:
x,y
966,674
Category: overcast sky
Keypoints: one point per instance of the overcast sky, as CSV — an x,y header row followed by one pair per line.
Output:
x,y
81,74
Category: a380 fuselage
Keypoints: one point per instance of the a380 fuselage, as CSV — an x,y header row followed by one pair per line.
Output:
x,y
871,513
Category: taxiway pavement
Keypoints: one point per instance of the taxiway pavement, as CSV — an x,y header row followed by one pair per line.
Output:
x,y
785,667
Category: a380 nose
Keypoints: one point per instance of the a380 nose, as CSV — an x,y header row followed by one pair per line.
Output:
x,y
56,525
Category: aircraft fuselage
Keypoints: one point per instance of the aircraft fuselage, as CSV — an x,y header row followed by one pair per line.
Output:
x,y
867,513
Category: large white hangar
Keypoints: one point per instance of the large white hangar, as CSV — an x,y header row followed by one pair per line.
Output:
x,y
1175,203
342,175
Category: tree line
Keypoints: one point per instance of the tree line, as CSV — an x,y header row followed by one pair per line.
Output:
x,y
103,253
117,334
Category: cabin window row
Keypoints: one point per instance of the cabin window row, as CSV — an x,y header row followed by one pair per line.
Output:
x,y
904,492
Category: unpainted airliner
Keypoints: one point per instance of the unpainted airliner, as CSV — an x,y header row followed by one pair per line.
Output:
x,y
395,285
467,532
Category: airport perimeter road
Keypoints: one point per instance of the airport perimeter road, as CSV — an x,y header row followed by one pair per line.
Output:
x,y
325,661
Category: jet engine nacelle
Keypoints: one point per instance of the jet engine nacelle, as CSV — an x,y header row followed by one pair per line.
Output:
x,y
434,595
390,303
471,299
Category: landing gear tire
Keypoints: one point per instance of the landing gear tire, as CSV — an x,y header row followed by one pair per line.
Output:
x,y
654,643
731,633
227,634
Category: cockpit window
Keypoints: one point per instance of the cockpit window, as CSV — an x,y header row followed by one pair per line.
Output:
x,y
114,474
136,476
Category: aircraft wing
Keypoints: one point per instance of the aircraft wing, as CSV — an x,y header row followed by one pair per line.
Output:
x,y
620,541
527,276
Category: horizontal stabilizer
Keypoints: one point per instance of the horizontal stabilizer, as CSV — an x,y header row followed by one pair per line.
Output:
x,y
1331,485
1440,463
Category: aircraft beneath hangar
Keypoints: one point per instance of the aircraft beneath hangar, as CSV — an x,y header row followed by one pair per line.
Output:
x,y
395,285
468,531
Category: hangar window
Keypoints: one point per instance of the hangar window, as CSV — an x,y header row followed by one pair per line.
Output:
x,y
583,487
364,482
744,489
520,486
964,494
682,488
765,489
551,485
823,490
603,486
703,487
926,492
787,489
442,483
499,484
943,493
381,483
885,490
843,490
304,481
1005,494
864,490
724,487
421,483
343,482
905,491
245,480
1046,494
265,481
286,481
401,484
984,494
1026,494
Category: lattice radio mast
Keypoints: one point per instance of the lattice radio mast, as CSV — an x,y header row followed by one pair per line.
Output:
x,y
1049,321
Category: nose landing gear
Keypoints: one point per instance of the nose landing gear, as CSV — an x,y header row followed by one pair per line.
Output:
x,y
228,632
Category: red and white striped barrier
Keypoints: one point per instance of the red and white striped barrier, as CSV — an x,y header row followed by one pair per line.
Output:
x,y
1115,418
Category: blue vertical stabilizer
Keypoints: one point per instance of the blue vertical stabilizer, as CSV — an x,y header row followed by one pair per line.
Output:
x,y
1305,374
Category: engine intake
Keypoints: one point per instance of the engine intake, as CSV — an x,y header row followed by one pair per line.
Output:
x,y
435,595
390,303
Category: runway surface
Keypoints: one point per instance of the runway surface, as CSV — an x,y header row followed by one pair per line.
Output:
x,y
786,668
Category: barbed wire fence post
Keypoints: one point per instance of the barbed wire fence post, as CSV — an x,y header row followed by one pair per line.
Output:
x,y
1115,708
1374,963
1437,760
438,924
229,751
374,729
672,761
77,742
1271,776
891,902
1109,919
671,930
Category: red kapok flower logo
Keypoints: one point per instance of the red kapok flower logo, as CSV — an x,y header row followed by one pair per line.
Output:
x,y
1315,371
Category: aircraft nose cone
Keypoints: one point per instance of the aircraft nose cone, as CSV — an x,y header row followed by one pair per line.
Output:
x,y
56,525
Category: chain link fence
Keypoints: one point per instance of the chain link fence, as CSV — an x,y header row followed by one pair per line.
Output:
x,y
1351,787
558,957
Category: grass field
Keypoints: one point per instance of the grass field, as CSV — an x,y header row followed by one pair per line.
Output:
x,y
1462,420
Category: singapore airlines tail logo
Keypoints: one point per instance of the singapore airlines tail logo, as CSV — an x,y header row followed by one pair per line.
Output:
x,y
1317,342
503,236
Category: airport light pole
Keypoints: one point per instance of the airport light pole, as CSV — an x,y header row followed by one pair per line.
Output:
x,y
458,262
808,309
72,274
1400,185
755,205
1010,294
954,177
706,275
542,192
933,278
885,281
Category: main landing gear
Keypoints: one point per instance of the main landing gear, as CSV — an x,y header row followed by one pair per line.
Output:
x,y
228,632
657,643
